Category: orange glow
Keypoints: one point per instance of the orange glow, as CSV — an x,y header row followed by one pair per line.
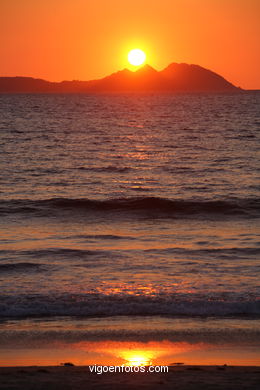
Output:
x,y
65,40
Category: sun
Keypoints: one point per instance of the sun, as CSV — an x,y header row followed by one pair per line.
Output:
x,y
136,57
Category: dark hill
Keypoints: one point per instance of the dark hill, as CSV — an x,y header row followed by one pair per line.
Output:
x,y
192,78
174,78
25,85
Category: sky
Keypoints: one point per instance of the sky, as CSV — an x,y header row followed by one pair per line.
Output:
x,y
89,39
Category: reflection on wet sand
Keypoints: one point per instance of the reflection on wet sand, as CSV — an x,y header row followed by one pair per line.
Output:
x,y
139,341
133,353
129,353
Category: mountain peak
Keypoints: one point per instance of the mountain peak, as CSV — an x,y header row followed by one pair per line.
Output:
x,y
145,69
195,78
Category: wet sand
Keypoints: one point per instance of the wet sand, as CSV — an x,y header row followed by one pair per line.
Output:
x,y
178,378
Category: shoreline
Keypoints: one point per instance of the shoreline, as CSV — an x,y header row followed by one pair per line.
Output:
x,y
117,341
179,377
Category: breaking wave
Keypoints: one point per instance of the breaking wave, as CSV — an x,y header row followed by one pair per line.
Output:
x,y
137,205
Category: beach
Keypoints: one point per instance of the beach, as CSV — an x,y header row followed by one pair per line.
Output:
x,y
179,378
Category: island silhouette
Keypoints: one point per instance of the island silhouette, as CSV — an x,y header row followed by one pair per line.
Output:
x,y
173,79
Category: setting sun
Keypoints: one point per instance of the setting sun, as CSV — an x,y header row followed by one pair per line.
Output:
x,y
136,57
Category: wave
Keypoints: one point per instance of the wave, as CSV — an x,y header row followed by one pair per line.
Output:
x,y
64,252
149,206
115,305
82,254
102,237
226,253
19,267
109,168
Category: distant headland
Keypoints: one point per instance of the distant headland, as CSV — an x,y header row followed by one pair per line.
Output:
x,y
173,79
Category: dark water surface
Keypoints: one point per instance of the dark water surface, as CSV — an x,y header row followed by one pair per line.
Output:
x,y
133,205
129,204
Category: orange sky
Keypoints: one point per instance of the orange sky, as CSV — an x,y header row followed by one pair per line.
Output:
x,y
87,39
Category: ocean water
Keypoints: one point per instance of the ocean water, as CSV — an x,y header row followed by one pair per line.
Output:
x,y
130,205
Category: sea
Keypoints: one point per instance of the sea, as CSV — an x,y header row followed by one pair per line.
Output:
x,y
129,225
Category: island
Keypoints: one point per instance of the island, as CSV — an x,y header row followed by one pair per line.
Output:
x,y
175,78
